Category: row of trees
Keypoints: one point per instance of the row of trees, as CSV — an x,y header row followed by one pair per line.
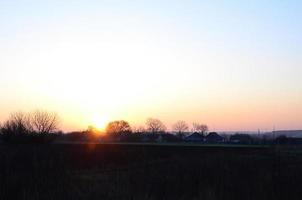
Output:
x,y
43,126
154,126
37,125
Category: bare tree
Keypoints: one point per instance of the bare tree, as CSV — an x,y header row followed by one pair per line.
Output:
x,y
17,124
117,127
155,126
43,122
36,127
200,128
180,127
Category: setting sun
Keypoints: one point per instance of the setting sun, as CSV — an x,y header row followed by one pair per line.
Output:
x,y
99,122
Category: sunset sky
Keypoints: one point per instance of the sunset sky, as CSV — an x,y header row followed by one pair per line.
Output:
x,y
234,65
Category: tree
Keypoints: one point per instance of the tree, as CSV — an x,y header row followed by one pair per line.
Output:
x,y
155,126
180,127
43,122
200,128
35,127
118,127
17,124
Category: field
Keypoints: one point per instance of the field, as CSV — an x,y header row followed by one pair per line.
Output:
x,y
129,171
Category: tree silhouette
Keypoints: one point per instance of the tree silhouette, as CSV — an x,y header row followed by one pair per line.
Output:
x,y
17,124
118,127
200,128
35,127
43,122
180,127
155,126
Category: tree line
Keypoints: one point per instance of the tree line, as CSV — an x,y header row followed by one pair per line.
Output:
x,y
37,126
43,126
154,126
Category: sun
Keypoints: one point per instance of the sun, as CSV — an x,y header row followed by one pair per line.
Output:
x,y
99,122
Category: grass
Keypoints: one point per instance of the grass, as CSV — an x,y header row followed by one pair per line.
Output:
x,y
149,171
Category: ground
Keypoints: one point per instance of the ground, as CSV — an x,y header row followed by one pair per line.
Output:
x,y
130,171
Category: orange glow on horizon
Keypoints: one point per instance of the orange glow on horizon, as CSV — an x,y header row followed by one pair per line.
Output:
x,y
99,122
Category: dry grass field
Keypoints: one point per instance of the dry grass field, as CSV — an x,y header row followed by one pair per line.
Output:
x,y
121,171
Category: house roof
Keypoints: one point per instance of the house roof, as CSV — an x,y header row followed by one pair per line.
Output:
x,y
195,136
214,136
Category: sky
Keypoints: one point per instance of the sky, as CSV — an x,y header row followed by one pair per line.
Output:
x,y
233,65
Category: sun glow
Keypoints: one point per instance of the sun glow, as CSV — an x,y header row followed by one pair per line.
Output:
x,y
99,122
132,65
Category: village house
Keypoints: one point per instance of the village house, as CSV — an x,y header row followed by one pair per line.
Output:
x,y
195,137
213,137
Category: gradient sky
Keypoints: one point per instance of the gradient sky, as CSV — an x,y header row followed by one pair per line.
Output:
x,y
234,65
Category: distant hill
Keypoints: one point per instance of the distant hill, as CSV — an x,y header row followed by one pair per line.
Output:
x,y
288,133
273,134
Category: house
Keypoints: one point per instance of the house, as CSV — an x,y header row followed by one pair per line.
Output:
x,y
213,137
195,137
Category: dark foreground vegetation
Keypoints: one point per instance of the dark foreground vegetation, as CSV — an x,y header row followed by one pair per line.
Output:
x,y
112,171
